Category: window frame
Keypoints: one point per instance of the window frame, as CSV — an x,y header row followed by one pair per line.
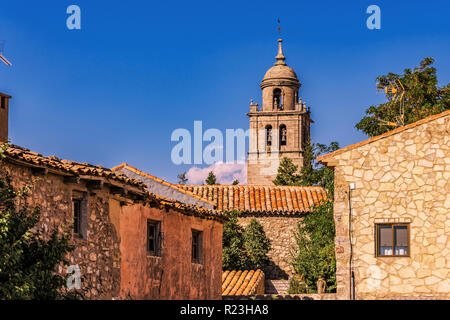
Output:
x,y
197,234
392,225
157,238
77,217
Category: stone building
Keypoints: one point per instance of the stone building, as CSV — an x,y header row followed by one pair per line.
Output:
x,y
129,243
278,209
280,128
392,213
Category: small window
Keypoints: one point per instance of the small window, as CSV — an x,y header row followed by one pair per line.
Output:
x,y
3,102
77,217
154,237
197,246
392,240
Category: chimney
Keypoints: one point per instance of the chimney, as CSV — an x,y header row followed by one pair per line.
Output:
x,y
4,108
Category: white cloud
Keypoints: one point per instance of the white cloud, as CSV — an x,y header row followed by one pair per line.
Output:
x,y
225,173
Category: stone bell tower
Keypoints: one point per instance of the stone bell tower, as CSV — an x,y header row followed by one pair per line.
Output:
x,y
281,127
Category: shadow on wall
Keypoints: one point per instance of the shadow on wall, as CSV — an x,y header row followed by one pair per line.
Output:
x,y
274,272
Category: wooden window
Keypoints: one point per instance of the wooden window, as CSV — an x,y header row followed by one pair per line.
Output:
x,y
392,240
197,246
77,217
154,238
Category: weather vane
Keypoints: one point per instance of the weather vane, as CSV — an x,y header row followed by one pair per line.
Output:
x,y
279,27
2,58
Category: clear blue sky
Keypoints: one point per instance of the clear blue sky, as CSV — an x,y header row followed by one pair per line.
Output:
x,y
116,89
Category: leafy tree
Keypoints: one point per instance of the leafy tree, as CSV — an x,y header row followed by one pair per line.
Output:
x,y
422,98
211,179
182,178
235,182
314,256
244,248
312,173
28,263
256,245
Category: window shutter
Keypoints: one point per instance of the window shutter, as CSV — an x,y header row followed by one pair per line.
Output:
x,y
401,236
385,236
158,239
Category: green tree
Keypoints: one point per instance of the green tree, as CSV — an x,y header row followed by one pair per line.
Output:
x,y
28,263
211,179
423,97
244,248
312,173
182,178
235,182
256,245
314,256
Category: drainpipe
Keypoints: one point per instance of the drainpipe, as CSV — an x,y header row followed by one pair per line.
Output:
x,y
351,274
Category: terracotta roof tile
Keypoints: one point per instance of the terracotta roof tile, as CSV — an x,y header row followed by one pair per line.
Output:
x,y
241,282
261,200
324,157
23,156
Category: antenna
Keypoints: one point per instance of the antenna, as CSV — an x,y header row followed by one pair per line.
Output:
x,y
395,92
2,58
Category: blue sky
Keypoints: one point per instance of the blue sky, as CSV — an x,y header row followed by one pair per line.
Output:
x,y
116,89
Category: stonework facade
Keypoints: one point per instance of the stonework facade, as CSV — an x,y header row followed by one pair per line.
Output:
x,y
111,245
280,231
401,177
280,128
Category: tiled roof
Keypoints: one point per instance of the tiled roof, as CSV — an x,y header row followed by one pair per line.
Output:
x,y
241,282
262,200
66,167
23,156
166,183
384,135
186,209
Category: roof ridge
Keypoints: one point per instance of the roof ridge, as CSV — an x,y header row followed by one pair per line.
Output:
x,y
385,135
162,181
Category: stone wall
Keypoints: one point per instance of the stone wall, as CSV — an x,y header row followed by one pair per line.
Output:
x,y
280,231
98,256
404,177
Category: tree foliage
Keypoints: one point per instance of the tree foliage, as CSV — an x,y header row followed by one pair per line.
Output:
x,y
235,182
423,97
182,178
211,179
28,263
314,256
312,173
244,248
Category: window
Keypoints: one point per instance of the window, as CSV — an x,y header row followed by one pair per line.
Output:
x,y
3,102
283,135
79,210
77,216
268,135
154,237
277,105
197,246
392,240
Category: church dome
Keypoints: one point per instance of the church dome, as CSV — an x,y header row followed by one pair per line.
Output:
x,y
280,71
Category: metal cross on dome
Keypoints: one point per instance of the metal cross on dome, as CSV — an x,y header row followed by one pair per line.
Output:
x,y
2,58
279,27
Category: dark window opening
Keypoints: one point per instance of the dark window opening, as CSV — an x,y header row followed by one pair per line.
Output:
x,y
269,135
3,102
197,246
277,104
77,217
154,237
392,240
283,135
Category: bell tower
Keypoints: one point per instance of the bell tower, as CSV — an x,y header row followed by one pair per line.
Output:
x,y
281,127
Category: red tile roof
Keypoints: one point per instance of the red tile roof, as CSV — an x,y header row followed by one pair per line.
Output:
x,y
25,157
262,200
384,135
241,282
